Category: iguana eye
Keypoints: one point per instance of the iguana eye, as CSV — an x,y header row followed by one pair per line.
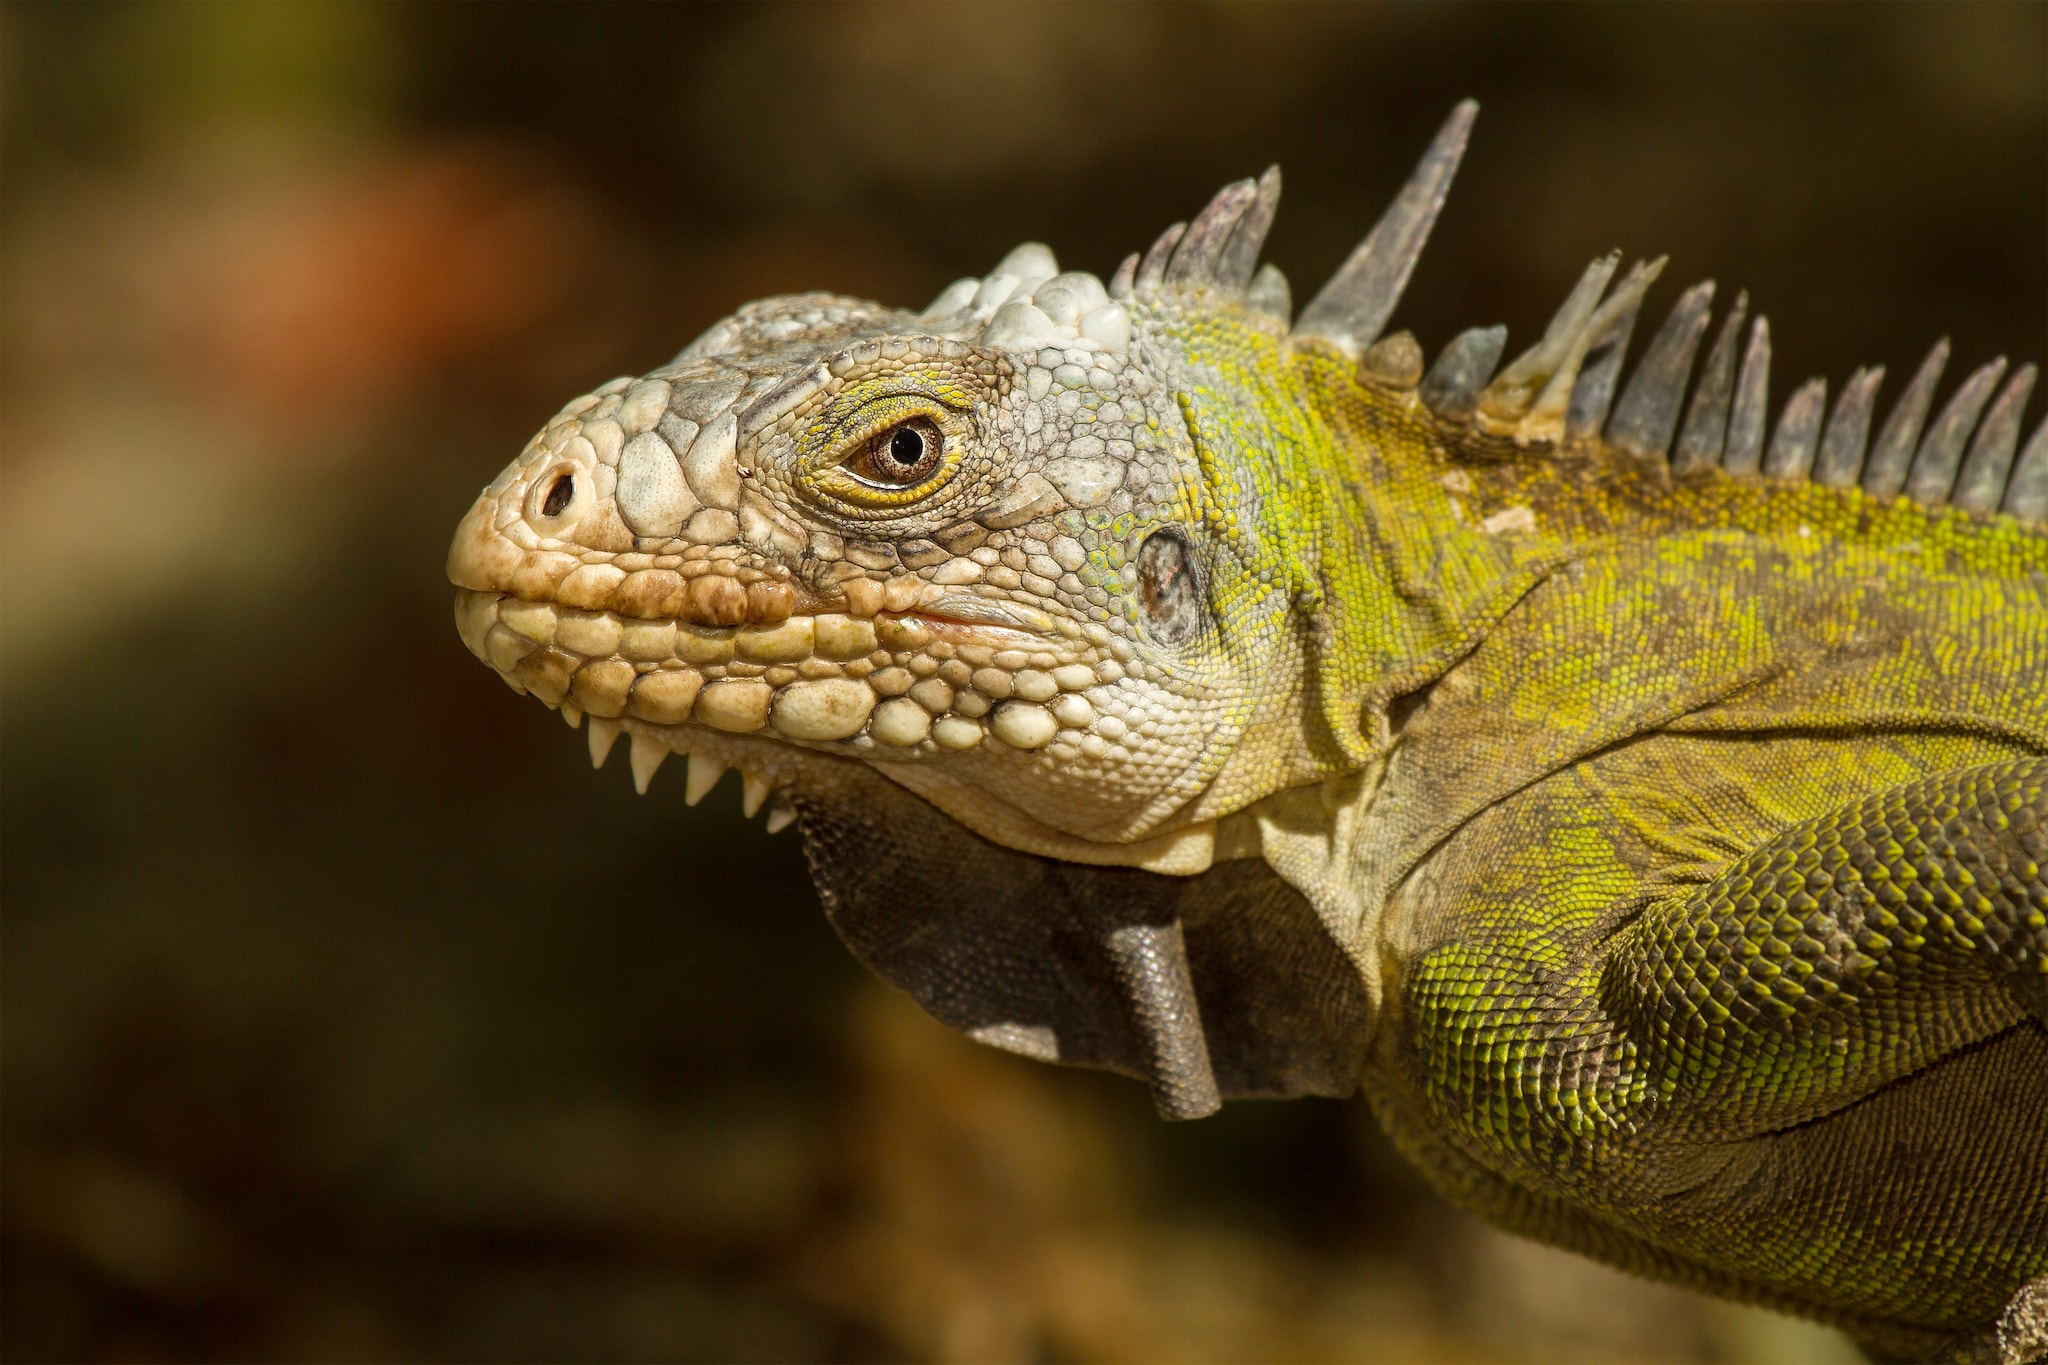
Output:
x,y
901,457
887,449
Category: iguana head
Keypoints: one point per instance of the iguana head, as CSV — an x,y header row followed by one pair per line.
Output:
x,y
1026,552
964,546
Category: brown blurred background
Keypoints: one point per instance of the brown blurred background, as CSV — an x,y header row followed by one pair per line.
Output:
x,y
348,1014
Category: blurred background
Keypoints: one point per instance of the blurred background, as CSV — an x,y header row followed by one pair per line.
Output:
x,y
347,1014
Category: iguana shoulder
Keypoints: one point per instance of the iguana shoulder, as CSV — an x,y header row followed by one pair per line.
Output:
x,y
1755,680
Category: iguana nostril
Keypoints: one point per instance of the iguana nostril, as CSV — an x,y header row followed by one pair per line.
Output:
x,y
559,495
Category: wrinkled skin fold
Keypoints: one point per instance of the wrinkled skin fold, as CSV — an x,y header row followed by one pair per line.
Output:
x,y
1016,950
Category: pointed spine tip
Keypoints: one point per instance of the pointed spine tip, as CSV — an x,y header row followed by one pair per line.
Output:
x,y
1798,432
1884,472
1935,464
1705,430
1120,284
1198,255
1452,387
1840,461
1512,392
1549,417
1646,417
1151,273
1531,401
1985,470
1354,306
2026,491
1748,414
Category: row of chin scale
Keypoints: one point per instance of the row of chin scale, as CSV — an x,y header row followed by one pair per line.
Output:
x,y
647,755
1564,388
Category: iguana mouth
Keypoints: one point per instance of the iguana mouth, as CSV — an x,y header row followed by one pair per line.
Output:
x,y
890,684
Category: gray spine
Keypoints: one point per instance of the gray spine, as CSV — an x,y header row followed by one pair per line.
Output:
x,y
1240,258
1884,474
1745,449
1268,293
2026,492
1841,446
1593,391
1984,469
1122,282
1152,270
1792,444
1706,422
1934,467
1647,414
1454,383
1360,297
1195,257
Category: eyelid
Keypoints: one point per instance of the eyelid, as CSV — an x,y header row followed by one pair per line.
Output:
x,y
863,411
865,451
831,477
879,416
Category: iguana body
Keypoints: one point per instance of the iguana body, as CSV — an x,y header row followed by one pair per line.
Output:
x,y
1658,839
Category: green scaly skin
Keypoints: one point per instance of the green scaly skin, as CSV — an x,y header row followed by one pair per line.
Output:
x,y
1625,958
1662,854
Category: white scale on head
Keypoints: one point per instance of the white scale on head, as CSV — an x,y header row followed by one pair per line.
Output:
x,y
1026,302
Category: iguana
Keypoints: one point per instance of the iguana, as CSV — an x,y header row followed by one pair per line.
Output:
x,y
1647,809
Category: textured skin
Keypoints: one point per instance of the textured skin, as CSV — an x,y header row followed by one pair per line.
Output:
x,y
1715,1068
1661,852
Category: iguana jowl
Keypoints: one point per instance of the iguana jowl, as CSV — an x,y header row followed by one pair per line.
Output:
x,y
1648,809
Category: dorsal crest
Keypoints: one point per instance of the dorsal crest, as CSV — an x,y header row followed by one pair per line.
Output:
x,y
1565,389
1568,389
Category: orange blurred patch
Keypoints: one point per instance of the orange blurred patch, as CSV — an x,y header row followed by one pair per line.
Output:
x,y
355,289
298,285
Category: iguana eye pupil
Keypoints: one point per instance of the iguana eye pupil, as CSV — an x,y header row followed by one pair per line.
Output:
x,y
906,447
904,455
559,496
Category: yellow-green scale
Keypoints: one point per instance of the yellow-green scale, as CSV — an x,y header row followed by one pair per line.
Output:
x,y
1655,676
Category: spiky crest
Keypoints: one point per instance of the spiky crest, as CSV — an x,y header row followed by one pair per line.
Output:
x,y
1566,389
1562,390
